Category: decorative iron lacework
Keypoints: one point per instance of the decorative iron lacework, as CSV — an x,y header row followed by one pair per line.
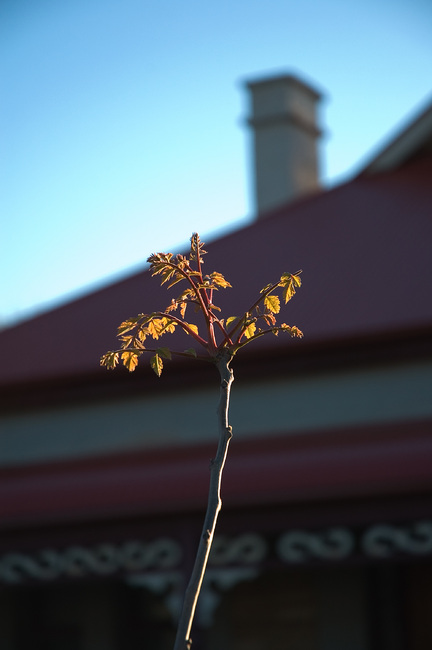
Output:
x,y
79,561
249,550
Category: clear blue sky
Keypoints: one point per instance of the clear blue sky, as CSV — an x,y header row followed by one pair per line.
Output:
x,y
122,122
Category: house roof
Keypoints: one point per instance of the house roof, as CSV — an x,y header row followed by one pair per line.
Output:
x,y
364,248
415,138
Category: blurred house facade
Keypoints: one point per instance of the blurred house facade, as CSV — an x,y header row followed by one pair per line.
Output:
x,y
325,537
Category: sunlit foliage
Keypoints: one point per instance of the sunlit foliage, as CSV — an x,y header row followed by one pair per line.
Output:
x,y
218,333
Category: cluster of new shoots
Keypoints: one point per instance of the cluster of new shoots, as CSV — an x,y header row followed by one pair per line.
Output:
x,y
199,288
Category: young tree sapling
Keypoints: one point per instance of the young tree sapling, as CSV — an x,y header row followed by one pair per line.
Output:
x,y
219,343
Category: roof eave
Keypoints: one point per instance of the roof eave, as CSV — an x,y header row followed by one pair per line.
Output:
x,y
297,357
416,137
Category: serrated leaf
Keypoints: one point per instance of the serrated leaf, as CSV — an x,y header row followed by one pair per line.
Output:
x,y
294,331
141,335
164,352
288,292
296,279
192,327
272,303
127,325
130,360
187,294
110,360
250,330
230,320
158,262
156,364
219,281
196,247
178,278
167,274
172,306
158,326
166,325
289,282
192,352
153,328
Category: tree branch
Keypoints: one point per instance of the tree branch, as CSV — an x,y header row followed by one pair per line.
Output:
x,y
214,504
263,295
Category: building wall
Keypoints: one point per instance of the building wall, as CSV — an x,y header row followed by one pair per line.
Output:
x,y
309,402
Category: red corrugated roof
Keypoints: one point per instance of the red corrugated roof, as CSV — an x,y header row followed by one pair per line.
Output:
x,y
365,251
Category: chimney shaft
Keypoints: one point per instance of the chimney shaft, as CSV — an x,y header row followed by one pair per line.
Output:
x,y
285,135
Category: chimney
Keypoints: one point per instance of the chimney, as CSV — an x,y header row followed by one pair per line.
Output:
x,y
285,137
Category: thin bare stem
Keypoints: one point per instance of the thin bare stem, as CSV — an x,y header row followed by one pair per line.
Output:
x,y
214,504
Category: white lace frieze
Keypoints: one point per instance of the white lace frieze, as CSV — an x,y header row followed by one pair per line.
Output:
x,y
383,541
298,546
248,551
79,561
